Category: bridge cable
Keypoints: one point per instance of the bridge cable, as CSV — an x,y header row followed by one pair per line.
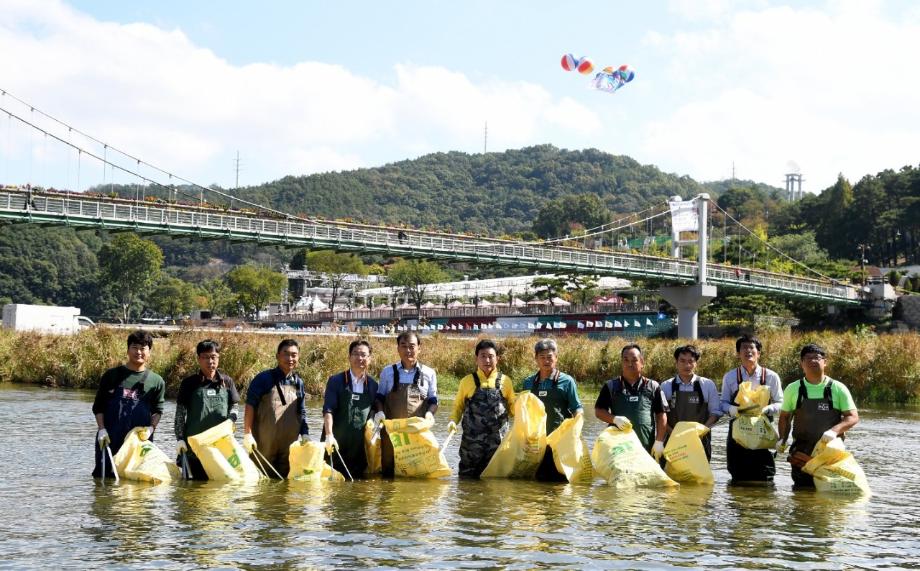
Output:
x,y
769,246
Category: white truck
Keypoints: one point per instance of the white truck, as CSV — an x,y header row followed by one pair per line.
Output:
x,y
44,318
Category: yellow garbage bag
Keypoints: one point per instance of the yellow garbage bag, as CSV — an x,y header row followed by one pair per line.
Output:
x,y
685,455
835,470
372,448
620,459
222,457
751,429
570,453
754,432
141,460
307,463
415,449
522,449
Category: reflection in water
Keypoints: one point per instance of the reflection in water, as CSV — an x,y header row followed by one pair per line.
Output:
x,y
438,523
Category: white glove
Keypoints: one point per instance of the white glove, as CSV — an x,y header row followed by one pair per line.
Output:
x,y
766,410
579,412
145,433
657,449
452,426
379,417
103,438
429,416
781,447
249,443
331,444
620,421
181,447
304,438
733,411
828,436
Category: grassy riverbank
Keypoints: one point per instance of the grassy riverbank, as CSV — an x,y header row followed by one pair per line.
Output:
x,y
880,368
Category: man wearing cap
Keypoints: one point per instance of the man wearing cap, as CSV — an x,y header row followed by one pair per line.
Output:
x,y
816,407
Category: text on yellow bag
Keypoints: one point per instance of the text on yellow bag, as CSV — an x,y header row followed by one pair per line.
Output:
x,y
415,449
522,449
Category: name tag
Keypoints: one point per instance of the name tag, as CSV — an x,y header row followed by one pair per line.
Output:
x,y
355,397
694,399
824,406
211,393
541,393
633,398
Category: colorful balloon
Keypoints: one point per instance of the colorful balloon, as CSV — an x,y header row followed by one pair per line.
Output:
x,y
569,63
626,73
585,66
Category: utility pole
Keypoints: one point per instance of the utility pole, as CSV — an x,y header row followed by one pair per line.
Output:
x,y
237,164
485,139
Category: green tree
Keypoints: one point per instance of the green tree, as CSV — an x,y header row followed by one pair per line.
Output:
x,y
128,266
549,287
336,268
172,297
569,214
414,277
220,298
583,288
255,286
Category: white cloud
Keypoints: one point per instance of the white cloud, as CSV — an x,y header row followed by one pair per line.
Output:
x,y
155,93
832,90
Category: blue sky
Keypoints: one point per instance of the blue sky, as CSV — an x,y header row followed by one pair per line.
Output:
x,y
304,87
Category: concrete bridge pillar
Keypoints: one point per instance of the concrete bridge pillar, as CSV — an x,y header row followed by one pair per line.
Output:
x,y
688,300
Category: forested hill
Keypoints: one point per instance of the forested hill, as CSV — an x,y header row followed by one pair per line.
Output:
x,y
493,193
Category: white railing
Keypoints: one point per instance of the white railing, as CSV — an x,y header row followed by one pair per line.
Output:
x,y
160,216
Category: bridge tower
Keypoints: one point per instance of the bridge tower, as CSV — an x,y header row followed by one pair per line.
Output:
x,y
689,299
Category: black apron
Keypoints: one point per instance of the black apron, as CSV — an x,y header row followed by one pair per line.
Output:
x,y
748,465
348,422
689,406
813,417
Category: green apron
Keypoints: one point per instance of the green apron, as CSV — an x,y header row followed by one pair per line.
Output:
x,y
636,406
348,422
555,401
207,407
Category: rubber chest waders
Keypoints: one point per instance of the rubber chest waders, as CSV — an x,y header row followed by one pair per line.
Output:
x,y
748,465
556,404
812,418
689,405
207,407
348,422
636,406
126,409
403,400
484,415
277,422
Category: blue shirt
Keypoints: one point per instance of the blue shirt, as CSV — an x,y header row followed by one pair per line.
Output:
x,y
265,381
710,393
427,381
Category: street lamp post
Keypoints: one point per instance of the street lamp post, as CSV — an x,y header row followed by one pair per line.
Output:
x,y
863,261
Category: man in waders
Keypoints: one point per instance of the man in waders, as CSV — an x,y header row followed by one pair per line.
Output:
x,y
407,388
559,395
817,408
129,396
275,413
205,399
637,399
347,407
484,400
691,397
749,465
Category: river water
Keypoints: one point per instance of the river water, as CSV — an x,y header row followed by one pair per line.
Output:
x,y
56,515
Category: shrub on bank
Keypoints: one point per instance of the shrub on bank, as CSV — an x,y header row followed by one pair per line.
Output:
x,y
875,367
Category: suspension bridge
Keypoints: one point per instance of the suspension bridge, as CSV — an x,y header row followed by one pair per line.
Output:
x,y
687,284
